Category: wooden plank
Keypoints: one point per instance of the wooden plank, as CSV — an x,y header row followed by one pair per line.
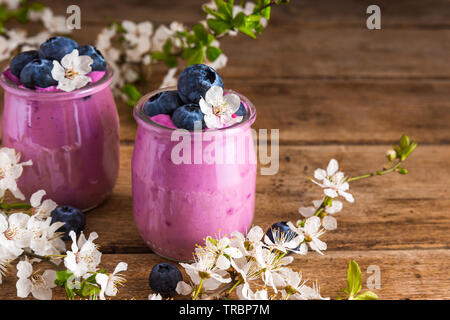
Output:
x,y
326,13
391,212
344,112
405,274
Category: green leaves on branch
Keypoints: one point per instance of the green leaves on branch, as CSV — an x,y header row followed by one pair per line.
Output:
x,y
20,14
132,93
86,288
224,19
354,284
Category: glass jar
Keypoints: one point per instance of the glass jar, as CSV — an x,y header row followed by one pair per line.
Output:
x,y
188,185
71,137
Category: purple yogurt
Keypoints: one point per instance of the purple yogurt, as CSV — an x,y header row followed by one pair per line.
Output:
x,y
71,137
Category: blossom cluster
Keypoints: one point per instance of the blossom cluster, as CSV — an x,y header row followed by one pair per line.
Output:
x,y
28,236
18,40
236,262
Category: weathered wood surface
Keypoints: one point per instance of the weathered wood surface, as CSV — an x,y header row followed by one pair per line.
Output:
x,y
334,89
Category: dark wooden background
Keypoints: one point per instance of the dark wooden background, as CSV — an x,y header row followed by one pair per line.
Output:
x,y
334,89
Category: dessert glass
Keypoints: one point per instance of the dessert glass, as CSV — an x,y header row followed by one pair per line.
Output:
x,y
71,137
176,205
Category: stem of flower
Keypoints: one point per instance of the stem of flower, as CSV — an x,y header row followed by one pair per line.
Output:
x,y
15,206
377,173
234,286
45,258
197,292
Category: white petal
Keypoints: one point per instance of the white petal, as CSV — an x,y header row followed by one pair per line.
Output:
x,y
212,121
214,95
329,223
330,193
320,174
312,224
336,206
205,107
233,101
23,287
49,277
183,288
255,234
24,269
347,196
36,198
102,280
318,245
121,266
333,167
222,262
58,72
307,211
233,252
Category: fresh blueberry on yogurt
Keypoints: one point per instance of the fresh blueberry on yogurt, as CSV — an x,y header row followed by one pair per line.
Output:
x,y
56,48
99,63
185,117
38,73
21,60
162,103
195,80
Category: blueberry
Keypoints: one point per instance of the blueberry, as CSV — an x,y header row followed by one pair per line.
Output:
x,y
195,80
56,48
99,63
21,60
38,73
185,116
74,220
241,111
164,278
162,103
281,228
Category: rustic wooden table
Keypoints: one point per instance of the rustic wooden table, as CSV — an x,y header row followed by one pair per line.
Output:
x,y
334,89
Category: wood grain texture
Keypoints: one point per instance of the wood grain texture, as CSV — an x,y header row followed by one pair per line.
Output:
x,y
405,274
335,90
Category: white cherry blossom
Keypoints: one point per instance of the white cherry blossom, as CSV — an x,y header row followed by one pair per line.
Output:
x,y
109,283
283,241
154,296
247,244
244,292
312,232
204,268
71,74
333,181
328,222
39,285
84,256
14,235
219,110
42,209
11,170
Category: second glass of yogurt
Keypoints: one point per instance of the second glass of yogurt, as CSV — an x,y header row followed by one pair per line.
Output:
x,y
188,185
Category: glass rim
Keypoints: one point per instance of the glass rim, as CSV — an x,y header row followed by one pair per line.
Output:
x,y
142,118
58,95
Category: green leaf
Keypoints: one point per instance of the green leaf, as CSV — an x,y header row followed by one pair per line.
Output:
x,y
354,278
22,15
266,11
212,53
195,57
132,93
368,295
88,290
411,148
247,31
200,33
62,277
69,293
215,13
167,47
239,20
218,26
158,55
37,6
